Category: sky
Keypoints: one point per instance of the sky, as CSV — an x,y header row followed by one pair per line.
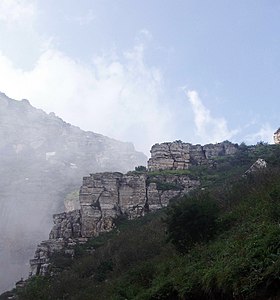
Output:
x,y
149,71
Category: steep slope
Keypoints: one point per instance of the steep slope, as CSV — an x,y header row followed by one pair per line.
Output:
x,y
43,158
222,242
105,197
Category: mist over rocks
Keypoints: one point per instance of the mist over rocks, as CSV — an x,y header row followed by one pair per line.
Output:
x,y
42,159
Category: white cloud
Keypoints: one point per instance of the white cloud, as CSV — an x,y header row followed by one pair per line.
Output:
x,y
17,11
119,96
265,134
208,128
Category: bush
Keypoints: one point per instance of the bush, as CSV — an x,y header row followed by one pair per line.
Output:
x,y
192,221
37,289
140,169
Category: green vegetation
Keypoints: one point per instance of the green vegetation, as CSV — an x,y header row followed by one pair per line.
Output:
x,y
192,221
219,243
141,169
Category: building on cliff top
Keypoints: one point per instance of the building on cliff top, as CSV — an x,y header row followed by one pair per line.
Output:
x,y
276,136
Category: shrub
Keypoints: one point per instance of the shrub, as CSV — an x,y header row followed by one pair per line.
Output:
x,y
192,221
141,169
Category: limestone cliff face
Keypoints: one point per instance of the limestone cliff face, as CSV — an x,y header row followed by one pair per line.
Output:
x,y
276,137
103,198
106,196
178,155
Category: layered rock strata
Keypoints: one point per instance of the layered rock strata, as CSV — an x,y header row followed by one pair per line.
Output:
x,y
103,198
179,155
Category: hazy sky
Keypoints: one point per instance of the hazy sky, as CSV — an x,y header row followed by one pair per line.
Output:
x,y
147,71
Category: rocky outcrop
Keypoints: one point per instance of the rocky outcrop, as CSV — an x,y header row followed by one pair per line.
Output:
x,y
179,155
276,136
106,196
258,165
103,198
64,236
66,225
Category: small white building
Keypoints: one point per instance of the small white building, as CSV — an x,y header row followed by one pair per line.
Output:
x,y
276,136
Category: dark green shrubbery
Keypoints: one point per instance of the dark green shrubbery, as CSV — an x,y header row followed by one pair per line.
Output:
x,y
167,186
192,221
37,289
141,169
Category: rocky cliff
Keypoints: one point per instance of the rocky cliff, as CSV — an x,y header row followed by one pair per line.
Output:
x,y
103,198
43,158
106,196
179,155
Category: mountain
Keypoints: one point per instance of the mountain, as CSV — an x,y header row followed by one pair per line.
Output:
x,y
221,240
106,197
42,159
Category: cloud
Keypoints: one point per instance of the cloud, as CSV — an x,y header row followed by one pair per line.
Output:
x,y
17,11
117,95
208,128
265,134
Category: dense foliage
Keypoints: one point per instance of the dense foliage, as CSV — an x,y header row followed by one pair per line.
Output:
x,y
192,221
219,243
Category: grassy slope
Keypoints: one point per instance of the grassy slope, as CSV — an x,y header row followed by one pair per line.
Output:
x,y
240,261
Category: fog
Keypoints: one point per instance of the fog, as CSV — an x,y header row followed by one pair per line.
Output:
x,y
42,160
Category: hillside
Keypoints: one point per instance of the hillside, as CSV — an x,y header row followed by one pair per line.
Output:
x,y
221,241
42,159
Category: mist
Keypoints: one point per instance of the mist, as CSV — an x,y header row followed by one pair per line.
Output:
x,y
42,161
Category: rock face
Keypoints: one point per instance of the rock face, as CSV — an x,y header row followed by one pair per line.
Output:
x,y
257,166
276,136
178,155
103,198
43,158
66,225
